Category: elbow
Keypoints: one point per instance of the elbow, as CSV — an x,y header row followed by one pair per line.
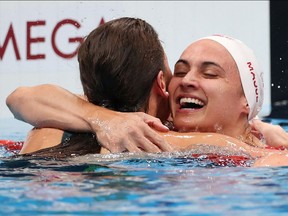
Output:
x,y
15,99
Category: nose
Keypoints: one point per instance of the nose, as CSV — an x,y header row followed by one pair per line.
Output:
x,y
190,80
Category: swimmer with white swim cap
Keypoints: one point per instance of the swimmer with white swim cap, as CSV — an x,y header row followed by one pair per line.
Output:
x,y
250,73
217,86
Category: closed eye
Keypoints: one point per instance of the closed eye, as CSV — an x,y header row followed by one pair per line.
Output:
x,y
212,70
179,74
210,75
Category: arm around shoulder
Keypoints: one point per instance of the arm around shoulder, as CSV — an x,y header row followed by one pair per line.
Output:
x,y
48,105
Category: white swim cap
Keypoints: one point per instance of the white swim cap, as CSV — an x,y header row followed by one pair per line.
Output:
x,y
250,73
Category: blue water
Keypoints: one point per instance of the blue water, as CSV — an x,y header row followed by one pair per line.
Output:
x,y
137,184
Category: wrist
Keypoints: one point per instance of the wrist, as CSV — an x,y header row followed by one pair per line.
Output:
x,y
97,117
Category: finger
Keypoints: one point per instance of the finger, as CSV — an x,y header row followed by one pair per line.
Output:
x,y
158,140
138,141
155,123
259,125
132,147
257,134
147,146
113,146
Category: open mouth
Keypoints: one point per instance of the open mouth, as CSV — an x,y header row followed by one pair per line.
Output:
x,y
190,103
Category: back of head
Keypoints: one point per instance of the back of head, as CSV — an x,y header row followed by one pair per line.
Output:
x,y
118,62
250,73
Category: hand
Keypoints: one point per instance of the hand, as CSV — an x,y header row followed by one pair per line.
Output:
x,y
130,132
272,160
274,135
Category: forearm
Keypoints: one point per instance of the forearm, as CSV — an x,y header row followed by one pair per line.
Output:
x,y
49,106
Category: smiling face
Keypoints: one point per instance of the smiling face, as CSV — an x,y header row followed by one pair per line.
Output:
x,y
205,91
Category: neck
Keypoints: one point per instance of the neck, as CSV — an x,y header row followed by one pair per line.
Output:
x,y
249,138
158,107
241,130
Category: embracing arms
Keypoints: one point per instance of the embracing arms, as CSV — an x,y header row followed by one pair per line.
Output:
x,y
50,106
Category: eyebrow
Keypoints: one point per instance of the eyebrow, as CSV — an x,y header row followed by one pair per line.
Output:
x,y
205,64
182,61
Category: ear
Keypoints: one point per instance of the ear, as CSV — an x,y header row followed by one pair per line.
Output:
x,y
246,108
161,87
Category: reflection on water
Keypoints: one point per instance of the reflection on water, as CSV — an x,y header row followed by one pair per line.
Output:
x,y
139,184
136,184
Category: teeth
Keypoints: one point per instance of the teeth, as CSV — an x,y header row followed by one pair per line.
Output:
x,y
191,100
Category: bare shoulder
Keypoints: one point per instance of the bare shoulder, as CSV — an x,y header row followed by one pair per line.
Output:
x,y
41,138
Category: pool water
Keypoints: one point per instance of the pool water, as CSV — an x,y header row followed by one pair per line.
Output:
x,y
138,184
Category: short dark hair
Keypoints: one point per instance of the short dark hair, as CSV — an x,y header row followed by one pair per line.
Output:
x,y
118,62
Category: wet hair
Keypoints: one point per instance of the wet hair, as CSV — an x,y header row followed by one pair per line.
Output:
x,y
77,144
118,61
